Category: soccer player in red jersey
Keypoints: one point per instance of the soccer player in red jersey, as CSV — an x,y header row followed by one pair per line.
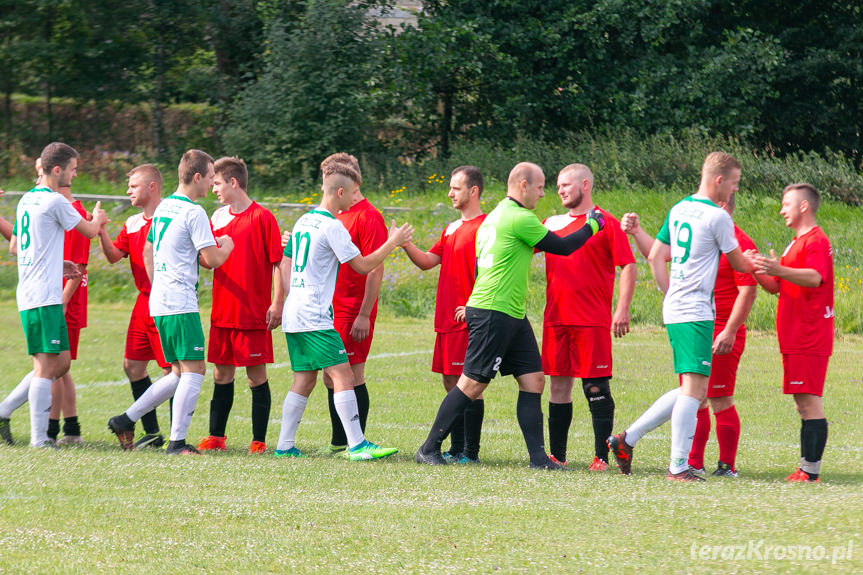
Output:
x,y
733,296
355,303
578,323
803,278
455,252
142,339
245,308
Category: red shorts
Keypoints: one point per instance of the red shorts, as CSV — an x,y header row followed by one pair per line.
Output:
x,y
723,368
358,352
142,339
573,351
449,350
240,347
74,336
804,374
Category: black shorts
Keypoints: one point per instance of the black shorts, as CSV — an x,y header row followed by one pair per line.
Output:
x,y
499,342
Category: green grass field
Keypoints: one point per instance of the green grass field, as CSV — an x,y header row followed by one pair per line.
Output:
x,y
98,509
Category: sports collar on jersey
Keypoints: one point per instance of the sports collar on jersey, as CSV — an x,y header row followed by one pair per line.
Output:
x,y
323,213
43,189
518,203
692,198
181,198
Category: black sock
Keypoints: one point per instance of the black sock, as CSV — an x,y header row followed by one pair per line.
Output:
x,y
261,402
528,410
456,436
362,393
473,417
220,407
602,414
148,420
816,440
451,408
804,425
559,420
338,436
53,428
71,426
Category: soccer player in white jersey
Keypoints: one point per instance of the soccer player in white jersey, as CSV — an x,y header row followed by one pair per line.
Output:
x,y
179,233
42,217
318,244
695,233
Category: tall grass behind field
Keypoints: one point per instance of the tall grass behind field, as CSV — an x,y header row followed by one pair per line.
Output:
x,y
407,291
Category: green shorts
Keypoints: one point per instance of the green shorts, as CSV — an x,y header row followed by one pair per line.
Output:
x,y
181,336
313,350
45,329
692,346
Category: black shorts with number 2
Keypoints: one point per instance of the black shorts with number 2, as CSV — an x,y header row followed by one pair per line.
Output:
x,y
498,342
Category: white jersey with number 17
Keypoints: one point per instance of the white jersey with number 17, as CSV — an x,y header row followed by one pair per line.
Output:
x,y
697,230
180,229
319,243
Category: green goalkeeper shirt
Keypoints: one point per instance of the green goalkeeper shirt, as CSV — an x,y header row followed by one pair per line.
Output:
x,y
504,247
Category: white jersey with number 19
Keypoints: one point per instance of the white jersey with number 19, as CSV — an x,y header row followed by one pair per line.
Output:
x,y
319,243
180,229
697,230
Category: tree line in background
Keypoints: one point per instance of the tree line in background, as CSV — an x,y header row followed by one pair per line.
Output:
x,y
282,83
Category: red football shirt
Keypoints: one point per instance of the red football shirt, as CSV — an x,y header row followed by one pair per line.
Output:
x,y
580,286
368,231
76,248
242,286
131,240
457,251
804,316
725,292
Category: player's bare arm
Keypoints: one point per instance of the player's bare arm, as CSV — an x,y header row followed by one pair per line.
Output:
x,y
90,228
422,260
769,265
398,235
626,285
724,341
739,262
112,254
72,285
147,255
631,225
214,256
13,246
362,323
71,270
658,258
274,313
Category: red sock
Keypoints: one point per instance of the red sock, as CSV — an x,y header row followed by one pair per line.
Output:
x,y
727,434
699,441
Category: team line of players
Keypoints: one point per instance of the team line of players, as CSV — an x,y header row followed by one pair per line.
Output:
x,y
329,266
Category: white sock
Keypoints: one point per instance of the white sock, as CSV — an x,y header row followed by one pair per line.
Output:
x,y
349,413
40,406
684,418
656,415
185,399
16,398
292,413
158,393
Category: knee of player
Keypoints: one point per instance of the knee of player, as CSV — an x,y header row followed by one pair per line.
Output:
x,y
597,391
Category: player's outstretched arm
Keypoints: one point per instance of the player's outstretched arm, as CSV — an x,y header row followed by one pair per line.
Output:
x,y
111,252
658,258
89,228
564,245
740,262
398,236
630,224
214,256
422,260
769,265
